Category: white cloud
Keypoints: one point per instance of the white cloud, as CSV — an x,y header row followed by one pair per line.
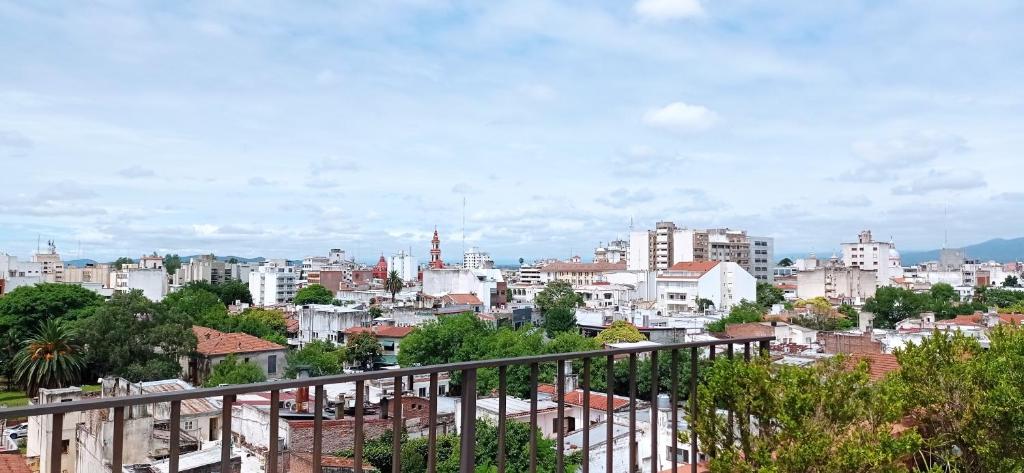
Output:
x,y
850,201
258,181
942,180
681,117
135,172
910,149
538,92
662,10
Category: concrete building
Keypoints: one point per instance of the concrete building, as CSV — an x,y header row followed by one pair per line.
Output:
x,y
725,284
602,295
14,273
668,244
834,281
488,285
52,264
329,322
209,269
616,251
213,346
474,258
131,277
762,258
98,273
869,254
406,265
272,284
529,274
578,274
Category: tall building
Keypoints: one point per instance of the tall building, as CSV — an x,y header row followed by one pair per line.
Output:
x,y
762,258
272,283
668,244
14,273
131,277
476,259
406,266
53,266
209,269
435,252
868,254
616,251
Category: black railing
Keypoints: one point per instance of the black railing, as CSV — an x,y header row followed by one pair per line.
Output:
x,y
468,371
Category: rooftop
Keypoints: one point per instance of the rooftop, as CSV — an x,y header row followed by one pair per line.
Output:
x,y
381,331
214,342
562,267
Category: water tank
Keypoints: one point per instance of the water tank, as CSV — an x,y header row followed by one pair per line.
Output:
x,y
664,402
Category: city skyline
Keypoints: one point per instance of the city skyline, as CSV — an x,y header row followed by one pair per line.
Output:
x,y
198,128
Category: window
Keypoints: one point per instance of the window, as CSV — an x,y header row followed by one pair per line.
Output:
x,y
423,392
64,445
272,364
188,425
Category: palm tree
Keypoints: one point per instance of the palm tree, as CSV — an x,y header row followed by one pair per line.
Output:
x,y
50,359
393,284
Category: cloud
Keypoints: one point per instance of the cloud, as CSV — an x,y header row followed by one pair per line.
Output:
x,y
136,172
334,165
538,92
663,10
463,188
1009,197
850,201
626,198
326,77
681,117
259,181
644,161
910,149
16,144
945,180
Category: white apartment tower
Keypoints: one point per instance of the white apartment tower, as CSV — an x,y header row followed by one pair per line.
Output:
x,y
405,264
868,254
476,259
53,266
272,284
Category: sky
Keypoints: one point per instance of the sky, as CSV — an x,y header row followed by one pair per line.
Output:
x,y
285,129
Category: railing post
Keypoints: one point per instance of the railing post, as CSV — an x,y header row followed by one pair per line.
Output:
x,y
467,458
225,433
609,417
765,348
502,409
693,410
175,428
586,416
396,427
56,441
432,434
117,458
675,411
534,374
357,442
655,411
560,413
318,428
275,420
633,453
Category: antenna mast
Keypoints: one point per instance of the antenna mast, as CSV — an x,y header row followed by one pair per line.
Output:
x,y
463,226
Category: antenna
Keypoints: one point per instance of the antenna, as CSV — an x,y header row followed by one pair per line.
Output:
x,y
463,227
945,224
37,242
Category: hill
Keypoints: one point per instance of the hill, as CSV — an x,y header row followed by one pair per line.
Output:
x,y
998,249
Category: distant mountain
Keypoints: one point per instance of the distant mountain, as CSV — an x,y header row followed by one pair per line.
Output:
x,y
79,263
998,249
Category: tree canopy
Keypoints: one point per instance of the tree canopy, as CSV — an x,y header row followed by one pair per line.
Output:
x,y
744,312
49,359
232,371
172,263
769,295
320,357
620,331
364,349
313,294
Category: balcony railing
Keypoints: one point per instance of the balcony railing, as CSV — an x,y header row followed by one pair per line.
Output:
x,y
590,360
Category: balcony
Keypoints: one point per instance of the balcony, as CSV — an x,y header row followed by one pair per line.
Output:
x,y
319,457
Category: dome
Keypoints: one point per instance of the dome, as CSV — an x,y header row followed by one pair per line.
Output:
x,y
893,254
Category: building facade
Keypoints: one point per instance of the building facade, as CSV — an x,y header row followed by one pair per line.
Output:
x,y
272,284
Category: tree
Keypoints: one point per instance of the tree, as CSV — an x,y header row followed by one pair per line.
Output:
x,y
200,305
364,349
313,294
744,312
50,359
521,261
893,304
319,357
769,295
232,291
232,260
943,292
785,262
231,371
268,324
1002,297
1011,281
393,284
558,294
620,331
703,304
24,309
120,262
375,312
559,319
449,339
172,263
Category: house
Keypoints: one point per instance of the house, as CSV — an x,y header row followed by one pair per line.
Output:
x,y
388,337
329,322
213,346
725,284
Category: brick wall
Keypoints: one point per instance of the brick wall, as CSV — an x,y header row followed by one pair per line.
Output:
x,y
840,343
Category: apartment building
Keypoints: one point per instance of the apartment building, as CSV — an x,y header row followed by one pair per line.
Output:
x,y
762,258
52,264
208,268
474,258
132,277
871,255
272,283
668,244
406,265
616,251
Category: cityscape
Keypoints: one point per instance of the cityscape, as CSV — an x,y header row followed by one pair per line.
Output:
x,y
647,236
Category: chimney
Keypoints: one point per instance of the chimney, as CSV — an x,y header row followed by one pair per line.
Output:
x,y
301,398
384,403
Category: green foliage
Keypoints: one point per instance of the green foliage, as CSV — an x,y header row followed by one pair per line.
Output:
x,y
364,349
321,358
558,320
124,336
1011,281
375,312
557,303
704,304
232,371
233,290
121,262
769,295
201,304
785,262
893,304
821,316
377,452
172,263
1003,297
744,312
313,294
23,310
50,359
620,331
393,284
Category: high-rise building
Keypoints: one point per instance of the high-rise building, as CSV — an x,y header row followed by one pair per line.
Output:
x,y
53,266
272,283
209,269
868,254
615,251
406,266
762,257
668,244
476,259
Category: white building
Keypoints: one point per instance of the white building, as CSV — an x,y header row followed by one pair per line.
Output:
x,y
53,265
206,268
329,322
485,284
529,274
605,295
272,284
476,259
14,273
578,274
762,258
834,281
406,265
878,256
616,251
152,282
725,284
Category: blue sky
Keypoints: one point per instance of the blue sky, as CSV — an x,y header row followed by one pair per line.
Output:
x,y
265,128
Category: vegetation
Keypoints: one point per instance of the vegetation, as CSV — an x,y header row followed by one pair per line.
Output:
x,y
822,316
620,331
121,262
321,358
769,295
893,304
785,262
558,303
377,452
704,304
172,263
393,284
50,359
364,350
202,304
232,371
1011,281
313,294
742,313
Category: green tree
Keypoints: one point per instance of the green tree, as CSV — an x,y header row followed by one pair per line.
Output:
x,y
557,294
393,284
744,312
558,320
1011,281
200,305
24,309
850,313
620,331
769,295
313,294
268,324
172,263
232,371
704,304
1002,297
50,359
321,358
232,260
120,262
233,290
785,262
364,349
893,304
375,312
944,292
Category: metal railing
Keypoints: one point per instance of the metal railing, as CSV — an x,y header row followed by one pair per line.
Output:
x,y
468,371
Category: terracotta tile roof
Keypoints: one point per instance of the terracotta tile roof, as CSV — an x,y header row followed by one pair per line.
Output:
x,y
381,331
468,299
598,401
1012,319
547,388
13,463
291,325
214,342
879,365
974,319
563,267
694,266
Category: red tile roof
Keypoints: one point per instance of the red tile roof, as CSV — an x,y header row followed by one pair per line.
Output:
x,y
13,463
879,365
292,325
694,266
214,342
381,331
547,388
563,267
598,401
468,299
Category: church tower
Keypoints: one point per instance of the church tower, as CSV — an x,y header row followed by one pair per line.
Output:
x,y
435,252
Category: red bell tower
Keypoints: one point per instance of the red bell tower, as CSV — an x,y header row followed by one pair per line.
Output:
x,y
435,252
